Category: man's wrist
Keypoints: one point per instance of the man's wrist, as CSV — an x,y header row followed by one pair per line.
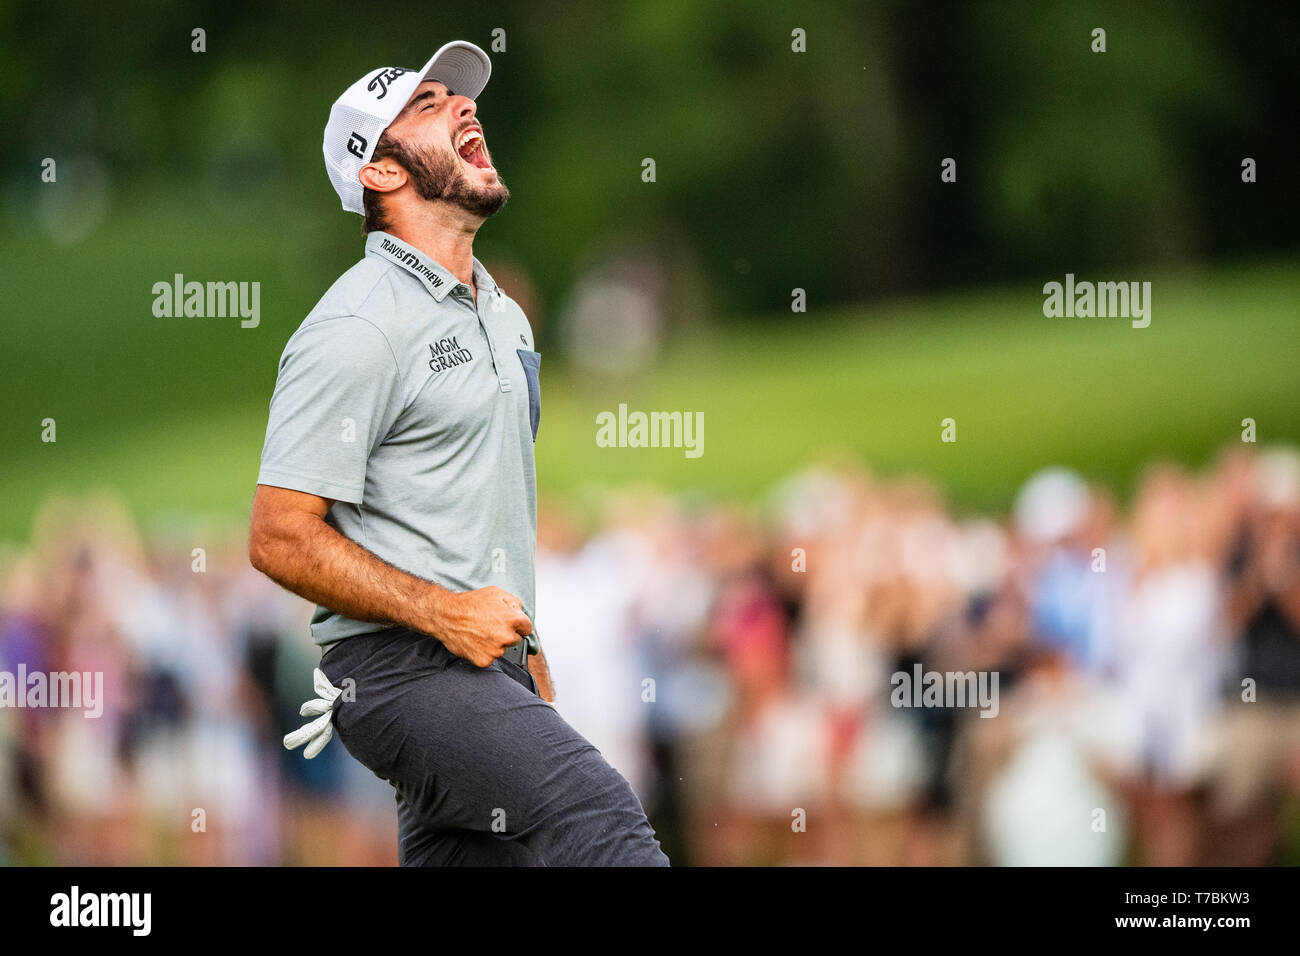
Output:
x,y
433,610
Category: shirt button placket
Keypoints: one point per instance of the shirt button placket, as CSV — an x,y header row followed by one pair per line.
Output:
x,y
502,381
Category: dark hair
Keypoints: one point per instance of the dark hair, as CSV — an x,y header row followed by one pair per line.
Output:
x,y
371,201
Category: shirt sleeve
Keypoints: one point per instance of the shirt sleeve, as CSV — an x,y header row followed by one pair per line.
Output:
x,y
337,394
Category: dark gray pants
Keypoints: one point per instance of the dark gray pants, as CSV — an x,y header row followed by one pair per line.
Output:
x,y
486,772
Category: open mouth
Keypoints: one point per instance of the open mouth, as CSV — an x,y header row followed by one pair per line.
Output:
x,y
472,149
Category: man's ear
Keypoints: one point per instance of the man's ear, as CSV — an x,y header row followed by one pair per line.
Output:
x,y
383,175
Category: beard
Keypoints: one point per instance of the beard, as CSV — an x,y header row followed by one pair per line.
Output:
x,y
438,176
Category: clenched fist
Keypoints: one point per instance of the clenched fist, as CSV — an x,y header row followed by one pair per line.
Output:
x,y
477,625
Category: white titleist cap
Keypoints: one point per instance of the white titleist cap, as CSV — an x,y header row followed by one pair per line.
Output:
x,y
360,115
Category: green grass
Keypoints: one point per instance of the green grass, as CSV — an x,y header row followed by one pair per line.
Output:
x,y
1024,390
171,412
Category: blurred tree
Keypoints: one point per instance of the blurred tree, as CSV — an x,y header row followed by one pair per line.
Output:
x,y
775,168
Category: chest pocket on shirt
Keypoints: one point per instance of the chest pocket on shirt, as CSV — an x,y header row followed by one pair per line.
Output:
x,y
532,362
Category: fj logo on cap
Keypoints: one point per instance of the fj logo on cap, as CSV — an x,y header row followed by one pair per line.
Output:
x,y
357,145
382,79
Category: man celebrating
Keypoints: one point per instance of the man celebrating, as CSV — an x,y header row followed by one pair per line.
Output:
x,y
397,491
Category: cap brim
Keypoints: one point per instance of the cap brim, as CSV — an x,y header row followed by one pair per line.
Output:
x,y
461,67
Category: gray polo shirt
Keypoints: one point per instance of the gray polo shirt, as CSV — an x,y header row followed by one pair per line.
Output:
x,y
415,411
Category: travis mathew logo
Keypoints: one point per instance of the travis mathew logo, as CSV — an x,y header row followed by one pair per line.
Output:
x,y
382,79
447,353
409,259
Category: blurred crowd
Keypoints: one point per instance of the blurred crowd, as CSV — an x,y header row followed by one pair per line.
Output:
x,y
739,665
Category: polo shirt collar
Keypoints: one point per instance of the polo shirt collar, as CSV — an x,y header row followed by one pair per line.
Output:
x,y
484,280
435,278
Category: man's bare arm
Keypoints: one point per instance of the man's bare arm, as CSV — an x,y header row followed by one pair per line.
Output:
x,y
290,542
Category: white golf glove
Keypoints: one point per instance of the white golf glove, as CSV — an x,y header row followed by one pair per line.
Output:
x,y
317,733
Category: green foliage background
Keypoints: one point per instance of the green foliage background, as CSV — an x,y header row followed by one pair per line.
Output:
x,y
774,170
